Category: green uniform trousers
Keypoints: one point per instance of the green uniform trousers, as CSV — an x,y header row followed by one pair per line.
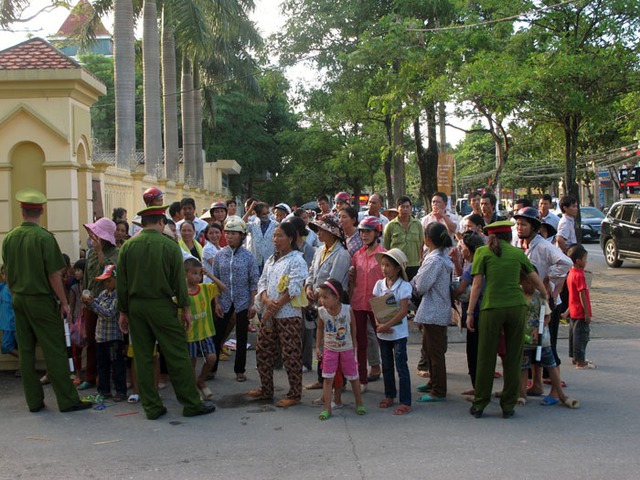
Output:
x,y
512,320
158,319
38,321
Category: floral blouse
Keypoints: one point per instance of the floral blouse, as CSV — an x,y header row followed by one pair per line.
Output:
x,y
293,265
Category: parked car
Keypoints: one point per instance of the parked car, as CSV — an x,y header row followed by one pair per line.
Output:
x,y
620,238
591,223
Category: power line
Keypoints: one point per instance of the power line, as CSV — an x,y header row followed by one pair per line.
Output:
x,y
490,22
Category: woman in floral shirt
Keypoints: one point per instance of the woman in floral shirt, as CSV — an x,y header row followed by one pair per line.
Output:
x,y
281,328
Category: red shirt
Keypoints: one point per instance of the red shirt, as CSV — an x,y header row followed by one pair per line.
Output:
x,y
576,282
368,272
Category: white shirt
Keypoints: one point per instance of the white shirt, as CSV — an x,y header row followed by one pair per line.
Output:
x,y
401,290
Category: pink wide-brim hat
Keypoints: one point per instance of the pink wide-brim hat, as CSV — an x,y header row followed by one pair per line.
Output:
x,y
104,229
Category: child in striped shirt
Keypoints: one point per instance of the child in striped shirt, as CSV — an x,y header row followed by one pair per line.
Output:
x,y
202,330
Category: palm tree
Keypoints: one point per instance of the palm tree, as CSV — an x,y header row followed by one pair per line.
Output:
x,y
170,99
151,86
125,83
188,122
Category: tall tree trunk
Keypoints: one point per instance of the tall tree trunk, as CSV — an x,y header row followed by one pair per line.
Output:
x,y
571,188
125,84
399,180
188,141
432,152
388,159
170,101
427,159
197,128
151,86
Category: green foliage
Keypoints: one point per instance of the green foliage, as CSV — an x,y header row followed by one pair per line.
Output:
x,y
103,112
247,130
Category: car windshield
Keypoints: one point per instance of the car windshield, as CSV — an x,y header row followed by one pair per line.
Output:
x,y
591,212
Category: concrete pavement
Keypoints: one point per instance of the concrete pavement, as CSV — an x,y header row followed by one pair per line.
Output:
x,y
249,440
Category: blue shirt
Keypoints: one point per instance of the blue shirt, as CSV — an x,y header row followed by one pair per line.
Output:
x,y
238,270
7,317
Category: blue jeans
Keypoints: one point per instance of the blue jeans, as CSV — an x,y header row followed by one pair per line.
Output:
x,y
395,351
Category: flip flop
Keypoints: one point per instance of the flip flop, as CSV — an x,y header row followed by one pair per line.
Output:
x,y
549,401
360,410
587,366
133,398
206,393
424,388
324,415
571,403
402,410
386,403
521,402
429,399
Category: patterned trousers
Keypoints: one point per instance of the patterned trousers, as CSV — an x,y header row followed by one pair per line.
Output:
x,y
285,337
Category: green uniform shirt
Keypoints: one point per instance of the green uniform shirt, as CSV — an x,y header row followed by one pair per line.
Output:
x,y
410,240
95,268
30,254
502,275
150,267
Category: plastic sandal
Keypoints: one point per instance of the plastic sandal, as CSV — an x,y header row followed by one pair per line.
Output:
x,y
206,393
360,410
571,403
549,401
402,410
429,399
521,402
133,398
424,388
324,415
386,403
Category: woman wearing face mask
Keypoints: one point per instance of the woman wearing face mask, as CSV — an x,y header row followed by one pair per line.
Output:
x,y
260,232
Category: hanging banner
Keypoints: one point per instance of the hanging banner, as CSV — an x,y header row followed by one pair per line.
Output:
x,y
445,172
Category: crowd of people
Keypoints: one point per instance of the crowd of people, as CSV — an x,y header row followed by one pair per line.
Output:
x,y
150,301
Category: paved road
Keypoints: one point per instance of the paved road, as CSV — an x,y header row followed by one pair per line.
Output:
x,y
244,440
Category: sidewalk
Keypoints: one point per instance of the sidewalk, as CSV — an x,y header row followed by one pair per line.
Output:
x,y
614,298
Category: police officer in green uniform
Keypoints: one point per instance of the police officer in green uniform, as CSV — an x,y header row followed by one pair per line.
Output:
x,y
150,276
34,267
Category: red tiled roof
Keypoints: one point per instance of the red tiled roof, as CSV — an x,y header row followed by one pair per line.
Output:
x,y
77,18
35,54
